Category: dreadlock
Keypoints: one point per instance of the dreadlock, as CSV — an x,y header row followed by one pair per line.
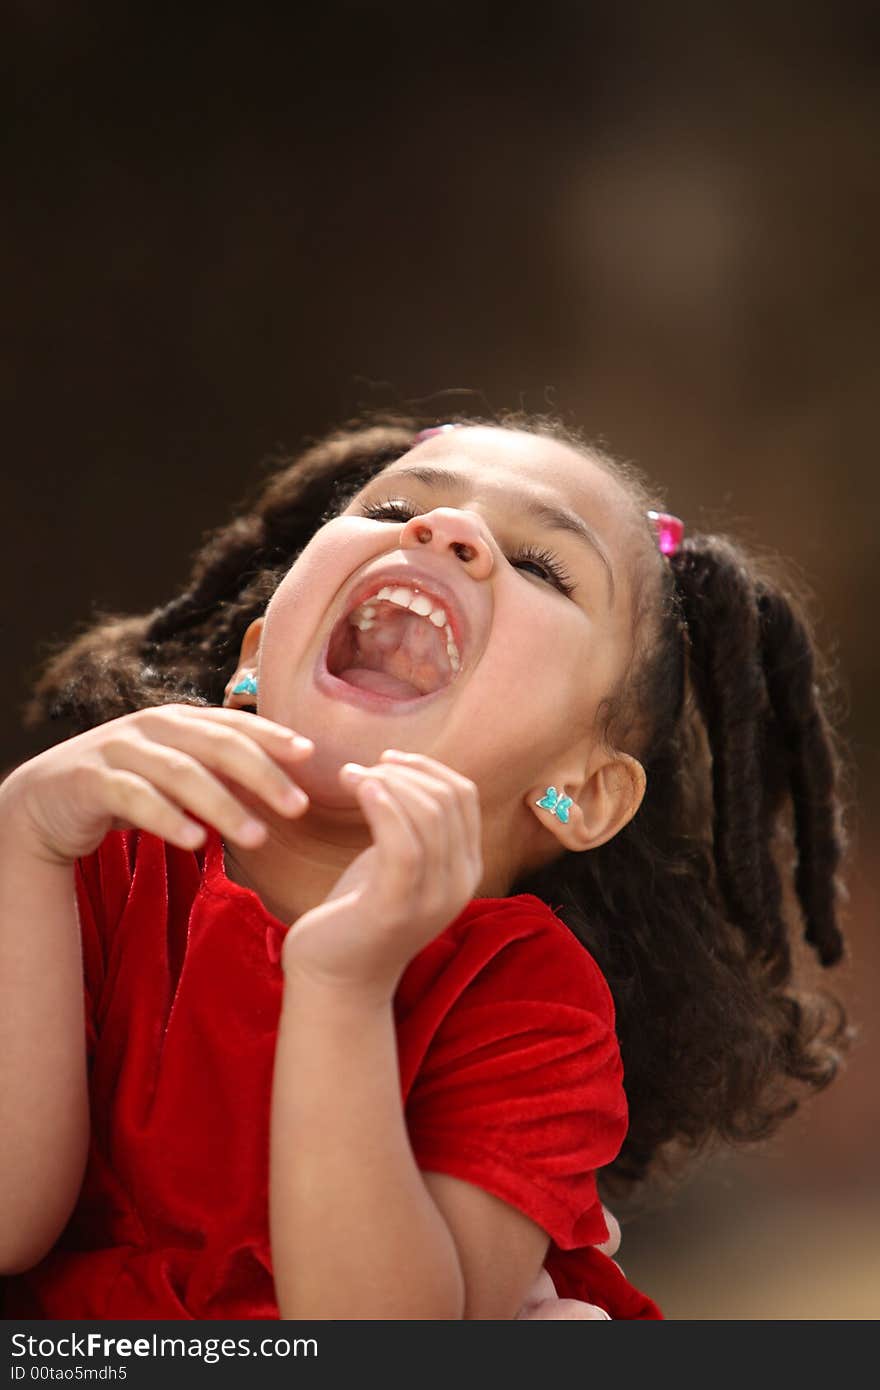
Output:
x,y
683,909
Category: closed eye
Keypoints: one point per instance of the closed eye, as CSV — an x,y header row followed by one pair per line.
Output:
x,y
536,556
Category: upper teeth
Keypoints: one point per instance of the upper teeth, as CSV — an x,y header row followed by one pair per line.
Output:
x,y
364,616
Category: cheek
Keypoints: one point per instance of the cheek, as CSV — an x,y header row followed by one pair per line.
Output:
x,y
537,643
540,677
299,607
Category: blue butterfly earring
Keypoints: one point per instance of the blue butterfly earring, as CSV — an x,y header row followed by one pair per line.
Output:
x,y
554,801
246,686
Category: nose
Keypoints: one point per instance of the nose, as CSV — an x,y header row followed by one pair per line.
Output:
x,y
447,528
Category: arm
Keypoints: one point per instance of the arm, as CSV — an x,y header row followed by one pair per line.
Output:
x,y
145,769
356,1228
352,1224
44,1109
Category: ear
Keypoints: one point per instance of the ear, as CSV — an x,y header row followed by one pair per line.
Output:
x,y
248,660
599,807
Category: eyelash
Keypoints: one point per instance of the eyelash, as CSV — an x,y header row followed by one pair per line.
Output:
x,y
533,555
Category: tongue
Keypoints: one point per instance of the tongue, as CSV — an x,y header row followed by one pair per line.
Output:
x,y
382,682
399,656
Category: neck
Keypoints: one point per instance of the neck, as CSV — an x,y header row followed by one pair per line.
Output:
x,y
301,861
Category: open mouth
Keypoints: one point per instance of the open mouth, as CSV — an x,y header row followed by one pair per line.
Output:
x,y
397,643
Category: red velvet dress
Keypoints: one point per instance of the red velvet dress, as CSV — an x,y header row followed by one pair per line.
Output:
x,y
510,1076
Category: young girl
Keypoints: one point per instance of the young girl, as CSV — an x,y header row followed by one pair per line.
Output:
x,y
350,1037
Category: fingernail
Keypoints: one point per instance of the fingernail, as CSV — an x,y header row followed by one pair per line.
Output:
x,y
352,770
300,741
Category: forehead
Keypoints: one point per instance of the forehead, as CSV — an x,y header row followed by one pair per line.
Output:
x,y
504,460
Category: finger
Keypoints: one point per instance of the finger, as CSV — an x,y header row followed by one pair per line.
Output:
x,y
463,851
400,849
226,750
287,742
463,843
135,802
183,780
428,816
464,861
440,818
463,786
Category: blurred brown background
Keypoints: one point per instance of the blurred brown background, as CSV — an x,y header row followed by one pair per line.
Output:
x,y
225,230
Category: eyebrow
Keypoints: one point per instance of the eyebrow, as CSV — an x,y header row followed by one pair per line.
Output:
x,y
554,518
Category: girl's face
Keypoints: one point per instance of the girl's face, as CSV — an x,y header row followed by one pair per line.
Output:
x,y
519,543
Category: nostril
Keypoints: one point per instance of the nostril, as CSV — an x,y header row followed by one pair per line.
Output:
x,y
445,531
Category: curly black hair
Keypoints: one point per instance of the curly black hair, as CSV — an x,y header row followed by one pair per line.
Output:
x,y
726,703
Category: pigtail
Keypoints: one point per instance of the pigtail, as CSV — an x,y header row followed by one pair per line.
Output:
x,y
721,615
752,669
800,724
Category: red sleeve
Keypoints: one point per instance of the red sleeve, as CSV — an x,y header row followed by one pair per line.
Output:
x,y
590,1275
521,1088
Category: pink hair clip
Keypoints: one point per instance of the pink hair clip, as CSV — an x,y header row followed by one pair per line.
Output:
x,y
669,531
434,429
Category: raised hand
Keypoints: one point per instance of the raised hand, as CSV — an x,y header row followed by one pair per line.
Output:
x,y
155,769
423,867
